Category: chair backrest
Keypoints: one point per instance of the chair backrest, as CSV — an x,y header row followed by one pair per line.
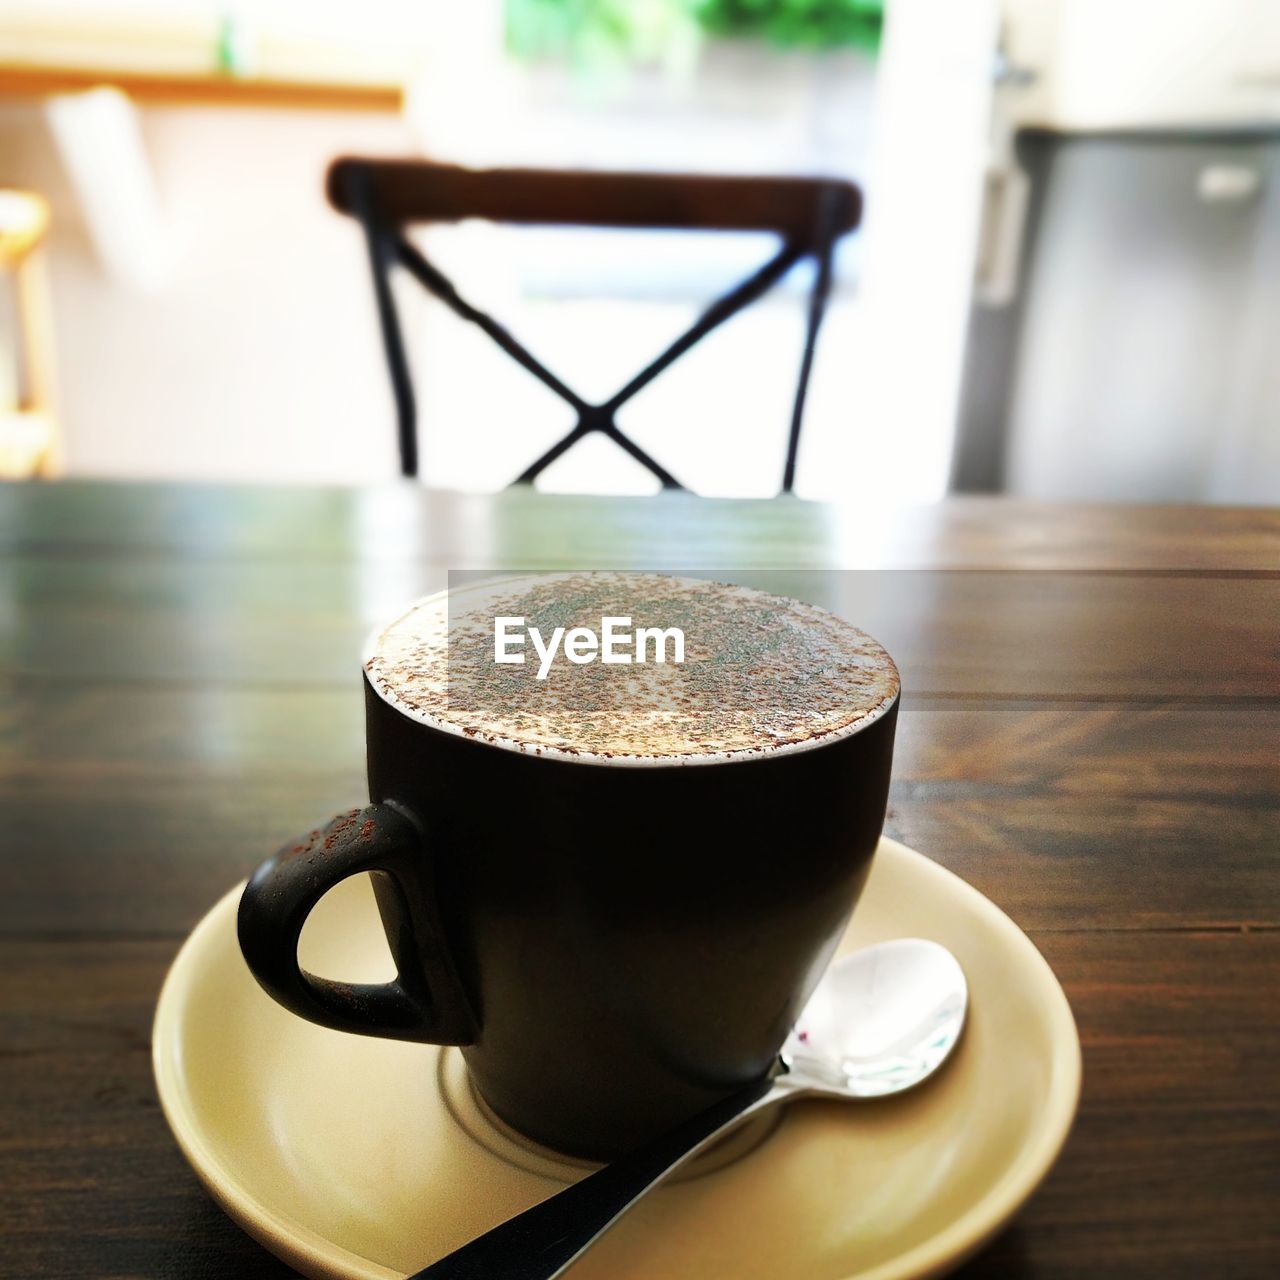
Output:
x,y
807,214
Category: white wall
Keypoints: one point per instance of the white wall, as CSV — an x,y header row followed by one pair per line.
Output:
x,y
1130,63
923,209
258,356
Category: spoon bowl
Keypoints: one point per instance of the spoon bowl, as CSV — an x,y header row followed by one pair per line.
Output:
x,y
882,1020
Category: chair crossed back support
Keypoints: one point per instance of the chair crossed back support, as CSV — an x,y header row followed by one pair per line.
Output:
x,y
808,215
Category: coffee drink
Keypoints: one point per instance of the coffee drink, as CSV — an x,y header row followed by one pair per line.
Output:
x,y
757,674
619,822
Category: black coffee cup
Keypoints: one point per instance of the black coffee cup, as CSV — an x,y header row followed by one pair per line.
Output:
x,y
614,945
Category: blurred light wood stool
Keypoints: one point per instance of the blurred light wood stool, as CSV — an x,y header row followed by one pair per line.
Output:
x,y
30,443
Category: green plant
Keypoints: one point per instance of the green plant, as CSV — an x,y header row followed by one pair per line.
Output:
x,y
821,24
599,33
591,33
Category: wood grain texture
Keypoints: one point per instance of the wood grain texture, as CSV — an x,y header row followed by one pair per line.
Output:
x,y
1171,1159
402,521
1172,1168
1090,735
991,633
1066,814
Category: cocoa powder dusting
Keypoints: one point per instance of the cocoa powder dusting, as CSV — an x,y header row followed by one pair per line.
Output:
x,y
762,672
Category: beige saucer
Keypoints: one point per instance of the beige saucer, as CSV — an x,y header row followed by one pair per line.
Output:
x,y
352,1157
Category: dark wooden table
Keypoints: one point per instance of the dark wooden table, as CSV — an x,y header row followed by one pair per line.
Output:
x,y
1090,735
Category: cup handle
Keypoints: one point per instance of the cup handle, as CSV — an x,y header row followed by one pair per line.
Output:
x,y
425,1002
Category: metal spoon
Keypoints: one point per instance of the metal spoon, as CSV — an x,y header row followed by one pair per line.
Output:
x,y
881,1021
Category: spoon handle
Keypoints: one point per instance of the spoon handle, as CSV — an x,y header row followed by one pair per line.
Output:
x,y
541,1242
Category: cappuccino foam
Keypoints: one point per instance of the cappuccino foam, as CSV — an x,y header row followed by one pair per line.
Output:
x,y
761,673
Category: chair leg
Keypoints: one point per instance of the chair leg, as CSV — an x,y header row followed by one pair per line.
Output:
x,y
382,256
397,362
817,308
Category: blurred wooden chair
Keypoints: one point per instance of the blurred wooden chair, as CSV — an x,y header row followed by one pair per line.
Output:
x,y
29,440
807,214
